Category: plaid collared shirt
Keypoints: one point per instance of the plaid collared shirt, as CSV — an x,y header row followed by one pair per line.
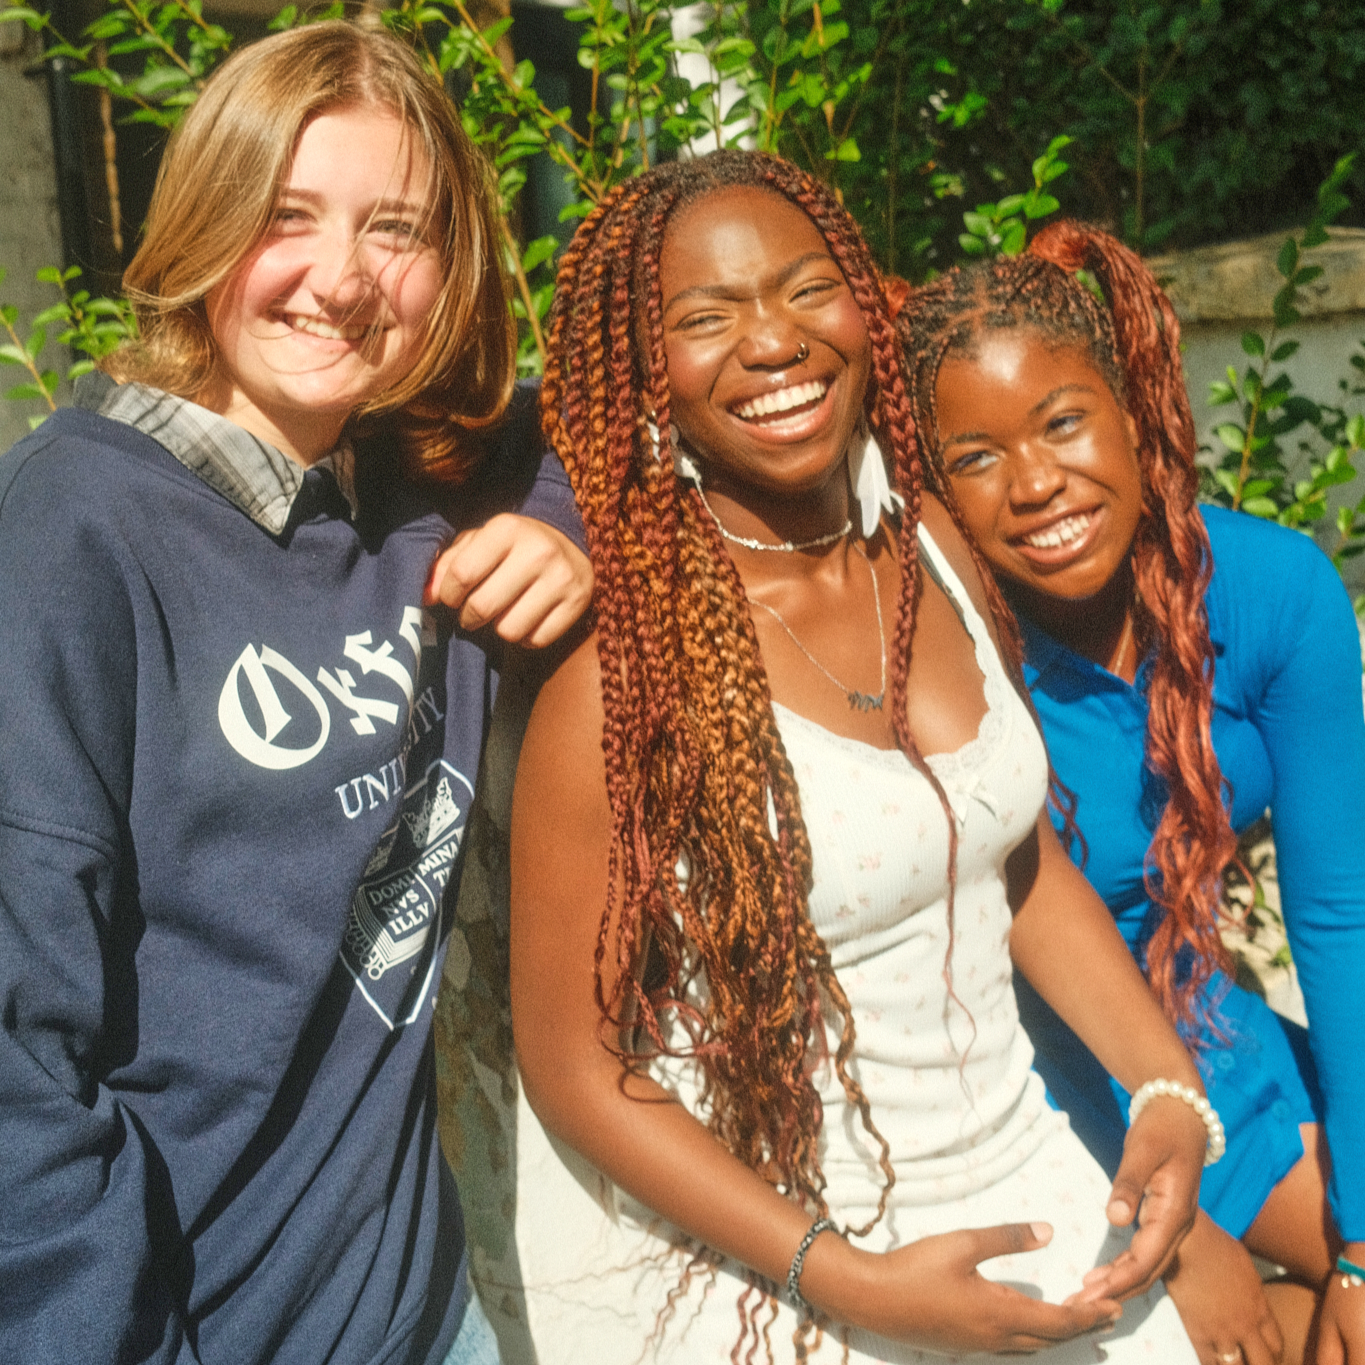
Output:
x,y
252,474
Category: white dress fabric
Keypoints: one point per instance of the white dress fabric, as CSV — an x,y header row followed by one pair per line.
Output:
x,y
941,1057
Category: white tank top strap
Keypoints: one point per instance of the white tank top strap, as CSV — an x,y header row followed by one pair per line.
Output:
x,y
987,657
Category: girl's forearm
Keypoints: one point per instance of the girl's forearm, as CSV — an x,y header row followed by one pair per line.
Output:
x,y
1065,942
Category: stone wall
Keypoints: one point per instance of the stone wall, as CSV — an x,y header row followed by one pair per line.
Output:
x,y
1219,292
30,232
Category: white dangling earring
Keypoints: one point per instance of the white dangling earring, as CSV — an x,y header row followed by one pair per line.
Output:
x,y
652,431
867,475
684,466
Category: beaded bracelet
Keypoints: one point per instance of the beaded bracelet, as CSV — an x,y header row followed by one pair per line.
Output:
x,y
1352,1275
799,1260
1217,1140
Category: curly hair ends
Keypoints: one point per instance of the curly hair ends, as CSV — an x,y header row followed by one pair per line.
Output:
x,y
1133,339
694,761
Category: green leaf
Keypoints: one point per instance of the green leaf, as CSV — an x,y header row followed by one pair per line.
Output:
x,y
1261,507
1231,435
1227,481
847,150
539,250
1220,393
1040,205
13,355
1284,350
31,17
1287,261
1253,343
1013,237
1286,315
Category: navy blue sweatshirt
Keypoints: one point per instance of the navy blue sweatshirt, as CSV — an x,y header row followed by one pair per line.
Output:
x,y
234,774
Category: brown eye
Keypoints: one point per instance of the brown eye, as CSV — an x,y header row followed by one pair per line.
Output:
x,y
971,462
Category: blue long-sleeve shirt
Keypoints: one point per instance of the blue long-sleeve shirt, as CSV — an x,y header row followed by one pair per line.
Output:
x,y
1289,734
234,771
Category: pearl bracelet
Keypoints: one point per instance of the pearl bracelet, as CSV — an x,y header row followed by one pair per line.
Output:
x,y
1217,1140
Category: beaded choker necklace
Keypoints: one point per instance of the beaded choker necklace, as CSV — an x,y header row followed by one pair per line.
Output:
x,y
787,547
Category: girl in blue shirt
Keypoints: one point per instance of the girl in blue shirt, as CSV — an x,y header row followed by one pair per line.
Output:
x,y
1191,667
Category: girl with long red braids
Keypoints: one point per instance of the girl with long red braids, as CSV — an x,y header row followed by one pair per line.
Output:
x,y
778,831
1191,667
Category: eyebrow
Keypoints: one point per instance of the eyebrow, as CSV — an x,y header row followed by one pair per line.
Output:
x,y
1032,412
783,276
381,205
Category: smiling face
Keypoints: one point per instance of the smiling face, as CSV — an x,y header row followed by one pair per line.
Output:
x,y
768,354
330,308
1043,462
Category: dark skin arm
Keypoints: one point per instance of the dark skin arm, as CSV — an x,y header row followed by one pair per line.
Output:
x,y
1061,925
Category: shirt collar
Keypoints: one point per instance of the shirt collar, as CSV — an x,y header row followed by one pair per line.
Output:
x,y
1043,655
252,474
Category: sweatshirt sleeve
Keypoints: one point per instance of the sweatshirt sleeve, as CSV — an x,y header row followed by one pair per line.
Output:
x,y
88,1235
1310,719
520,473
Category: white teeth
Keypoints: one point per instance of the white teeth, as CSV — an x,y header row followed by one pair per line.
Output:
x,y
317,328
1061,534
780,400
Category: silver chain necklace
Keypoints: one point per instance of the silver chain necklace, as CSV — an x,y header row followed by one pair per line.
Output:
x,y
788,547
858,701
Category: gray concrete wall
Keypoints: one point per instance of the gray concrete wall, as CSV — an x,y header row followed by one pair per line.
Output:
x,y
30,233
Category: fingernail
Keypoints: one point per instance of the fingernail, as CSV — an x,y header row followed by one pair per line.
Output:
x,y
1042,1231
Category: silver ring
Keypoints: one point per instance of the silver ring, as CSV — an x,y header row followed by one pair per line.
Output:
x,y
802,353
1231,1357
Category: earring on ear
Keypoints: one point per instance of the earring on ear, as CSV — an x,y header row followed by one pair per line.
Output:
x,y
867,476
684,466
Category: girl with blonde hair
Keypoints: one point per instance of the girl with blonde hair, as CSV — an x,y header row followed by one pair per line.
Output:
x,y
239,735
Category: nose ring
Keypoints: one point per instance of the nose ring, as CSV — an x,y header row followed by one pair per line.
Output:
x,y
802,353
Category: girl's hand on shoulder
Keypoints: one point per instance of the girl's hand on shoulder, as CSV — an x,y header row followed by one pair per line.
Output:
x,y
1341,1320
931,1294
1222,1303
1158,1184
527,578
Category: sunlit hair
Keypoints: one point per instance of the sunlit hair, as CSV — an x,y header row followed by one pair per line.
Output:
x,y
1132,338
216,193
694,761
